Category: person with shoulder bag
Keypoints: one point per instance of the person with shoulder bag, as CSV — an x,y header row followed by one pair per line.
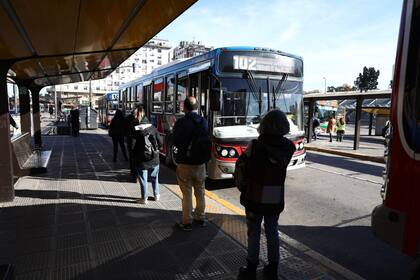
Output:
x,y
146,145
260,174
192,152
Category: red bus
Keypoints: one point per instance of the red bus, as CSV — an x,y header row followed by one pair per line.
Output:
x,y
397,219
234,86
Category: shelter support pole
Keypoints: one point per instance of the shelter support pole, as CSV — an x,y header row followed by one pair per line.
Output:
x,y
36,116
370,123
25,109
356,143
7,192
309,125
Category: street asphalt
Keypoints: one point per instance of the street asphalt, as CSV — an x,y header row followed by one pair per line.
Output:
x,y
328,208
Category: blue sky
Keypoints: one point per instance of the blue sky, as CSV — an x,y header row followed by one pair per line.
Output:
x,y
336,38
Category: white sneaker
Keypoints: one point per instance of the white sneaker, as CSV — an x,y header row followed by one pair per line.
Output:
x,y
157,197
141,201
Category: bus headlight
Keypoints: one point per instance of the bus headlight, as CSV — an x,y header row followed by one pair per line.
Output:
x,y
226,152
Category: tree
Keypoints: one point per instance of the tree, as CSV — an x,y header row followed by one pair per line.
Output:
x,y
368,80
331,89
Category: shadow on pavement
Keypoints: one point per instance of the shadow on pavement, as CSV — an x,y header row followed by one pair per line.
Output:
x,y
354,247
82,241
345,163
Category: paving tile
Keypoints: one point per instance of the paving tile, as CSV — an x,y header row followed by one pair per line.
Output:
x,y
72,256
72,240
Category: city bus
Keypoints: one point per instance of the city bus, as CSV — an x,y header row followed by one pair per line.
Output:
x,y
235,87
397,219
107,105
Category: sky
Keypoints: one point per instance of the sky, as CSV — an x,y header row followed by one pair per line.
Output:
x,y
335,38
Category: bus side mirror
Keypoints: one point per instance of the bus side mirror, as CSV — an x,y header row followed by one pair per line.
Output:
x,y
215,99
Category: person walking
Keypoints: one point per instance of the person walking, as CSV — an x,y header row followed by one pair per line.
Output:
x,y
192,152
145,153
74,121
129,135
341,129
260,174
315,125
117,132
331,126
51,111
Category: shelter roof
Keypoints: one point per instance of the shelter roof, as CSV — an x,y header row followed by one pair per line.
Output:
x,y
48,42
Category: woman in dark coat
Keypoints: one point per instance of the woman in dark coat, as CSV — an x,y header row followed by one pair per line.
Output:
x,y
117,132
262,168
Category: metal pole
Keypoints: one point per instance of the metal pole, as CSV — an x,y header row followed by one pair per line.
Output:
x,y
7,192
55,103
357,123
310,116
370,123
36,116
325,85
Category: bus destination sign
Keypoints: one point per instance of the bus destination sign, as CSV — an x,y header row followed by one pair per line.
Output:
x,y
280,64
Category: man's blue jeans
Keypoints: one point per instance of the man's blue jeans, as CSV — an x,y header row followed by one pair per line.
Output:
x,y
142,174
253,221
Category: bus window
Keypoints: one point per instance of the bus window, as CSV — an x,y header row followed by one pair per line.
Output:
x,y
169,98
194,85
157,102
139,95
204,93
181,93
411,104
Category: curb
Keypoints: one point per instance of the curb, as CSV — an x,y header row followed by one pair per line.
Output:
x,y
378,159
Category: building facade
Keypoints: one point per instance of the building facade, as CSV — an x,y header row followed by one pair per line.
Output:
x,y
152,55
187,49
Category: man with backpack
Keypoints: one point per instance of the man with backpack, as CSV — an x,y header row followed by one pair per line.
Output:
x,y
146,144
192,152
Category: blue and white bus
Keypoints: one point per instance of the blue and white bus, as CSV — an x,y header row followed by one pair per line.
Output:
x,y
234,86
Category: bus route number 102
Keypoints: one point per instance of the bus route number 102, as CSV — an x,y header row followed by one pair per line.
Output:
x,y
244,63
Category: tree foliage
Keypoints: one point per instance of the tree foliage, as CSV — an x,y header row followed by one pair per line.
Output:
x,y
344,87
368,79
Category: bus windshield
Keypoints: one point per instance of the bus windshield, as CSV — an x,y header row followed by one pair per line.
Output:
x,y
245,102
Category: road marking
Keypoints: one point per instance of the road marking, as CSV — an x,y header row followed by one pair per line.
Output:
x,y
342,174
346,273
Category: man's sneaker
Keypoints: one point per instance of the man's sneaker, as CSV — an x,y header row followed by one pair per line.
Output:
x,y
201,223
141,201
185,227
157,197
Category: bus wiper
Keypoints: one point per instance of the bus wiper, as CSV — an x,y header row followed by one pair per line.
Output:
x,y
279,88
253,86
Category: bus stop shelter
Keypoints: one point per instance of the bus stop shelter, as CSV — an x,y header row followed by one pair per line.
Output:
x,y
45,43
357,100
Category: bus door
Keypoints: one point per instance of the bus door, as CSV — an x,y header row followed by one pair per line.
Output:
x,y
147,97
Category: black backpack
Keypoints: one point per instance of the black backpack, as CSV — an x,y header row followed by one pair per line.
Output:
x,y
150,147
199,148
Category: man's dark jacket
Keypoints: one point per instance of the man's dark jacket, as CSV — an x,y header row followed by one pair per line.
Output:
x,y
183,133
145,128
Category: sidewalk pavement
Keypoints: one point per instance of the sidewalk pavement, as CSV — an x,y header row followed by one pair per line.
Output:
x,y
80,221
371,148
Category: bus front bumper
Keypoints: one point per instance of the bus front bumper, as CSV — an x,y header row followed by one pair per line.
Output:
x,y
218,169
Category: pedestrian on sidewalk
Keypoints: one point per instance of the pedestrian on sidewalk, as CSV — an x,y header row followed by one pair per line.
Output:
x,y
341,129
117,132
147,143
260,175
315,125
331,126
74,121
192,152
129,128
